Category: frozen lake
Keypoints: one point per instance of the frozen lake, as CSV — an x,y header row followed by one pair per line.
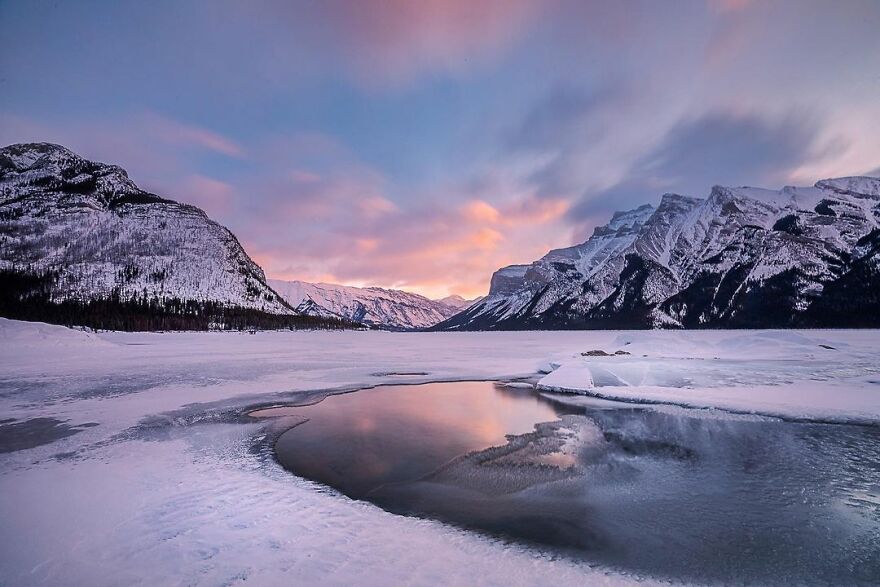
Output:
x,y
129,458
670,493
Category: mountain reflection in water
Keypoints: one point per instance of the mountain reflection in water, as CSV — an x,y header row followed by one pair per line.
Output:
x,y
660,491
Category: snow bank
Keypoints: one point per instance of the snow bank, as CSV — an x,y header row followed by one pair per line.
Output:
x,y
813,375
16,335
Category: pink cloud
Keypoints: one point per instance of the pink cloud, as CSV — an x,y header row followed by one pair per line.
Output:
x,y
480,211
376,206
149,146
303,176
531,210
179,133
429,248
729,5
313,211
729,39
393,41
213,196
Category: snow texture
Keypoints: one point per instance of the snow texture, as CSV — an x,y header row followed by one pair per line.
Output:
x,y
166,482
375,306
694,262
106,237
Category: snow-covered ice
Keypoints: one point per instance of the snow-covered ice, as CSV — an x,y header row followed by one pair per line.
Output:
x,y
811,375
174,486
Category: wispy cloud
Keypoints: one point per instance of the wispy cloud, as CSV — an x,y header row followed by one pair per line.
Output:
x,y
215,197
424,144
729,5
722,147
343,224
394,42
178,133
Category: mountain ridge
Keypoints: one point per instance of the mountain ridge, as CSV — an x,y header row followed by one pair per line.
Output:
x,y
374,306
741,257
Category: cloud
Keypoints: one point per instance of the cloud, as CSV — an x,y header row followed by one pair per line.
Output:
x,y
343,226
733,148
536,210
211,195
431,249
154,149
561,131
563,112
721,147
730,39
391,43
178,133
729,5
480,211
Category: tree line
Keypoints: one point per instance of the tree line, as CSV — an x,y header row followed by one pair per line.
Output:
x,y
28,296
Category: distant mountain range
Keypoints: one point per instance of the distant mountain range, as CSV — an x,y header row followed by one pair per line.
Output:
x,y
740,258
374,306
80,243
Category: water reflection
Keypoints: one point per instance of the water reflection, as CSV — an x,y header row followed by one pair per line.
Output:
x,y
670,493
360,441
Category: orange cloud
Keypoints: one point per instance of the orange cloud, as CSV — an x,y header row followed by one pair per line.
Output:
x,y
486,238
342,227
376,205
434,251
317,213
536,210
480,211
366,245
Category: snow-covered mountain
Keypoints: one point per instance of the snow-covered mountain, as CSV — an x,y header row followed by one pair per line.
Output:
x,y
76,232
742,257
455,301
376,306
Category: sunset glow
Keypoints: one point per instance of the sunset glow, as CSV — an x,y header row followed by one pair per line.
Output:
x,y
423,145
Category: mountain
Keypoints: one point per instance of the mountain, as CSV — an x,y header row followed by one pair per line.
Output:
x,y
375,306
455,301
80,243
740,258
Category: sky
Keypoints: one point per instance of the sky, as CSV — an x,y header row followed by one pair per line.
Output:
x,y
423,144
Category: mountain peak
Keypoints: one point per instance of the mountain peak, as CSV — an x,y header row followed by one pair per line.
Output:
x,y
624,221
23,156
744,257
455,301
48,168
857,185
671,198
629,217
377,306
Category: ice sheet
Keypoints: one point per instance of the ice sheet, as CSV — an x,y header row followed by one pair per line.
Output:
x,y
173,487
806,375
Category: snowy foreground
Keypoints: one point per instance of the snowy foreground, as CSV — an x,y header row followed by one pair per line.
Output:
x,y
143,469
